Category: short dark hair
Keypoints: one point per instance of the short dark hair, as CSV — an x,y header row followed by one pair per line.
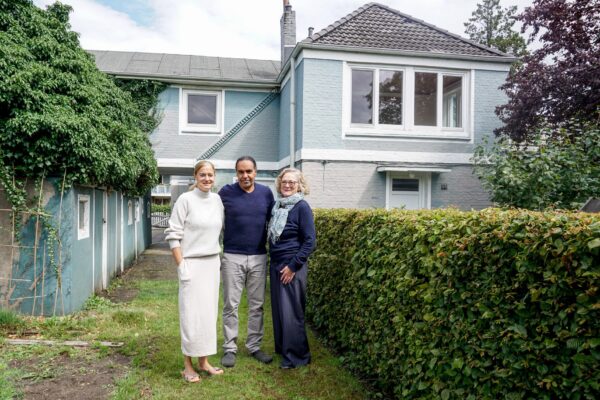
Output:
x,y
245,158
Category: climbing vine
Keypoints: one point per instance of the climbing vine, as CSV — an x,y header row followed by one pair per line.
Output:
x,y
60,117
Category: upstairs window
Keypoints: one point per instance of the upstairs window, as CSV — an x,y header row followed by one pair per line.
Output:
x,y
385,98
201,111
406,101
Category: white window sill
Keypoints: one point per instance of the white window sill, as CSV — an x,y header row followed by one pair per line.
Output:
x,y
419,134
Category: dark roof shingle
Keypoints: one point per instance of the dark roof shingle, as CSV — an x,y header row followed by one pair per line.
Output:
x,y
375,26
159,65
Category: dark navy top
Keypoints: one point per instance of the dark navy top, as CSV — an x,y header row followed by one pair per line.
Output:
x,y
246,218
298,239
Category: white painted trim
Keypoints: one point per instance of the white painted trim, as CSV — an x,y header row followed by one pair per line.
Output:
x,y
380,156
219,164
201,129
357,57
104,240
83,233
93,227
411,169
122,233
472,105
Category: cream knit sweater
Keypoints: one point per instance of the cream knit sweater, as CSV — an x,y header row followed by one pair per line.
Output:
x,y
196,223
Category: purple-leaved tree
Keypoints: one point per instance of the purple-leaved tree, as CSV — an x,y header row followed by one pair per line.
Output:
x,y
559,82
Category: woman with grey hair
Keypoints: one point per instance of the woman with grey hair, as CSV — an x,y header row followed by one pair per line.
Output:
x,y
292,239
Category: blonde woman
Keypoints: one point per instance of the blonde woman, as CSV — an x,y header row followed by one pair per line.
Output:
x,y
292,239
193,235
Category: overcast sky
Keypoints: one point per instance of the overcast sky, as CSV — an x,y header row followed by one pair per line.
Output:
x,y
235,28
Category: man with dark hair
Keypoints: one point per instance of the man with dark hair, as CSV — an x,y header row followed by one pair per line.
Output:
x,y
247,211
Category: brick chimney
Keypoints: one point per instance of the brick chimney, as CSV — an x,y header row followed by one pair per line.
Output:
x,y
288,31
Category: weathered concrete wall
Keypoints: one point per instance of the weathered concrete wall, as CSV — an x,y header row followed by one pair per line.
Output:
x,y
40,275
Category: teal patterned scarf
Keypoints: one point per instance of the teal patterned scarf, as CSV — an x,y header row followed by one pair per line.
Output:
x,y
279,215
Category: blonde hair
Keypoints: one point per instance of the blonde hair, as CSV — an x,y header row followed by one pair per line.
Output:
x,y
202,163
197,167
302,185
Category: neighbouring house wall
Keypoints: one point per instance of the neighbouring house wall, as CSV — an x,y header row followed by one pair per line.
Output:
x,y
32,284
259,137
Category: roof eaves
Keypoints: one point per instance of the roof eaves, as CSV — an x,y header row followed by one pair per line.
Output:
x,y
467,57
186,79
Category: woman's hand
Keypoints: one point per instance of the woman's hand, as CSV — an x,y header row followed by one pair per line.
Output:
x,y
177,255
287,275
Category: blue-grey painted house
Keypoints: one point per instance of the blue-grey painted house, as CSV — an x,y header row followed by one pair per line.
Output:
x,y
379,109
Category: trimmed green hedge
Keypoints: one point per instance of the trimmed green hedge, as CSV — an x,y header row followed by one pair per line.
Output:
x,y
166,208
462,305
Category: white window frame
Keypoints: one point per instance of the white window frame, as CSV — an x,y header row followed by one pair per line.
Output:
x,y
188,128
408,127
137,210
83,233
129,212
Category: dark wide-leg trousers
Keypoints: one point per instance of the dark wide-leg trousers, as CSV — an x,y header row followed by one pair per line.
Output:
x,y
288,303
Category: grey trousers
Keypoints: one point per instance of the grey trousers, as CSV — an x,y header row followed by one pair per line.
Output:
x,y
237,271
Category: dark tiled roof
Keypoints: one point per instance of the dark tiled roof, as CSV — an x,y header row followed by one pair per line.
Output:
x,y
376,26
158,65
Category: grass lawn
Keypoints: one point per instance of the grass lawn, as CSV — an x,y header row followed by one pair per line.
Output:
x,y
149,364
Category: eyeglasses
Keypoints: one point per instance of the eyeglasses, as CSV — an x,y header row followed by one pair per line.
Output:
x,y
289,183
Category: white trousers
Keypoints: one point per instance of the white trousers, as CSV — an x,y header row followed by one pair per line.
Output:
x,y
199,305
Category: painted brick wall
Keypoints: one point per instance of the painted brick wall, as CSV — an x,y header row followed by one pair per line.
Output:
x,y
322,112
463,190
168,143
322,104
344,185
284,121
487,97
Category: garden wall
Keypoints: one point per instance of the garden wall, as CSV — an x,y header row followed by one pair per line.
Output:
x,y
463,305
51,261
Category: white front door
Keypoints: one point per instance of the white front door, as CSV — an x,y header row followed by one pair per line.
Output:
x,y
408,190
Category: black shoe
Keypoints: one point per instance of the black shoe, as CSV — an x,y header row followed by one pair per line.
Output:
x,y
262,357
228,359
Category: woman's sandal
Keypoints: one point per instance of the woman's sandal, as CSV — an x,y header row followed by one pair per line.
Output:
x,y
190,378
212,371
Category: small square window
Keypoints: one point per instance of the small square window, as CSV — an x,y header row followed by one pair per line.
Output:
x,y
129,212
201,111
83,216
137,210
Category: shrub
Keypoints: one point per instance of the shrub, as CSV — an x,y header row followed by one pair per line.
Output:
x,y
160,208
449,304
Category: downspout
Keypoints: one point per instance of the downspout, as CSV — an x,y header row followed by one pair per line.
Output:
x,y
292,111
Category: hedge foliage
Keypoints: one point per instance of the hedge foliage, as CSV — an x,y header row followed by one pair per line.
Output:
x,y
462,305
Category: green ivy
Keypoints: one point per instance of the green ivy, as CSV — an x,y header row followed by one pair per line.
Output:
x,y
462,305
59,113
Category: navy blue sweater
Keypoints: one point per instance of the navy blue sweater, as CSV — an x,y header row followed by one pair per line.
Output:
x,y
246,218
298,239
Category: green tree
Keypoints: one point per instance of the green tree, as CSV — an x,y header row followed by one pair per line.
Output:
x,y
557,168
492,26
59,115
